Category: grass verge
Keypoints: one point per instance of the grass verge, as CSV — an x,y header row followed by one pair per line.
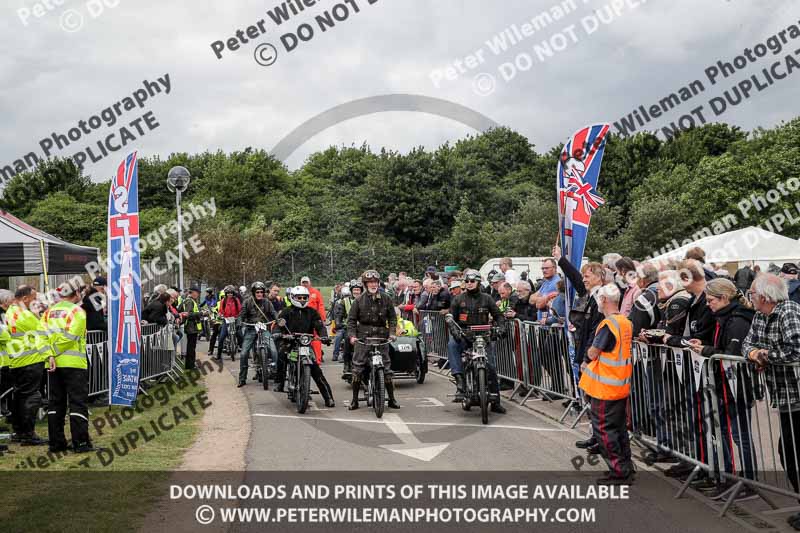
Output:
x,y
111,490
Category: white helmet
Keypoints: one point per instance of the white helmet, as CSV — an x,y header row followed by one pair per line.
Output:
x,y
299,296
243,289
345,292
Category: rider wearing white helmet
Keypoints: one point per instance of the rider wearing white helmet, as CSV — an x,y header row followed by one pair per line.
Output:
x,y
300,318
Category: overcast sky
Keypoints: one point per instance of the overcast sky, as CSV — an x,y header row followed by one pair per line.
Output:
x,y
53,78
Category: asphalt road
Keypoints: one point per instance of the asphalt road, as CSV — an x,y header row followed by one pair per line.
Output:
x,y
430,433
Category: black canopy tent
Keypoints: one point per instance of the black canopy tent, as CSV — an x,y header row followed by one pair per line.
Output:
x,y
25,250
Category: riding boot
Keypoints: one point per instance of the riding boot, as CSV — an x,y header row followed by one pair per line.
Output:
x,y
461,387
356,390
325,390
390,391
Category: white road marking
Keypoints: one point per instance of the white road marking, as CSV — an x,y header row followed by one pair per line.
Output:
x,y
411,447
435,424
429,402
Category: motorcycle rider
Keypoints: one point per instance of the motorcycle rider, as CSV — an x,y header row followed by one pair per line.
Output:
x,y
472,308
229,307
257,308
300,318
371,315
342,312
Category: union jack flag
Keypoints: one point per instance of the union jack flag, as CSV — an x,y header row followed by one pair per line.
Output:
x,y
124,290
576,187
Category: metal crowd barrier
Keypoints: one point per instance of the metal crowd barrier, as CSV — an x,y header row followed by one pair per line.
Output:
x,y
720,414
509,349
723,415
548,362
435,336
157,356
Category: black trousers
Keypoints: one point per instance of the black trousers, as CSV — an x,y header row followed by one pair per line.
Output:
x,y
69,386
316,374
191,350
6,385
215,326
789,446
609,426
27,398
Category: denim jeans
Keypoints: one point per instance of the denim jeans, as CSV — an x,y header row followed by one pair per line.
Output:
x,y
247,346
456,348
223,333
337,344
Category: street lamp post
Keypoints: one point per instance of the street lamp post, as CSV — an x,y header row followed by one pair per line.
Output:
x,y
178,180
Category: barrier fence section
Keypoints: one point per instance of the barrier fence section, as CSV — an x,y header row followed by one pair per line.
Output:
x,y
435,336
157,356
723,416
735,423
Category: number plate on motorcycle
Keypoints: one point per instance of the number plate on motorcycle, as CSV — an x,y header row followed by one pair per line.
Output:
x,y
230,320
304,350
404,348
261,326
377,360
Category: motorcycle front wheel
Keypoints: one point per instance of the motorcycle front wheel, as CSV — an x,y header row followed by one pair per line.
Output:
x,y
303,388
379,392
483,395
264,368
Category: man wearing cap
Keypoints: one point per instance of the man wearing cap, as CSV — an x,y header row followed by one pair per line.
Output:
x,y
455,287
315,301
65,323
94,304
494,282
27,349
789,275
430,273
190,313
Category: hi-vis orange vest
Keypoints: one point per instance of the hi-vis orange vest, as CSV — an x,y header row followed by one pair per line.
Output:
x,y
609,376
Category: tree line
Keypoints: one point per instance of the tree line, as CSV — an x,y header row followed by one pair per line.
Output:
x,y
487,195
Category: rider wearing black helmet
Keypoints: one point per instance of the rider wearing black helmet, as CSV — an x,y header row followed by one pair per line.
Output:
x,y
256,308
371,315
473,308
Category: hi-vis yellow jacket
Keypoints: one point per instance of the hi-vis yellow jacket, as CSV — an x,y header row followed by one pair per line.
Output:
x,y
66,325
29,341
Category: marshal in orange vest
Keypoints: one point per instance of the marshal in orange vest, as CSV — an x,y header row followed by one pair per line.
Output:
x,y
609,376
